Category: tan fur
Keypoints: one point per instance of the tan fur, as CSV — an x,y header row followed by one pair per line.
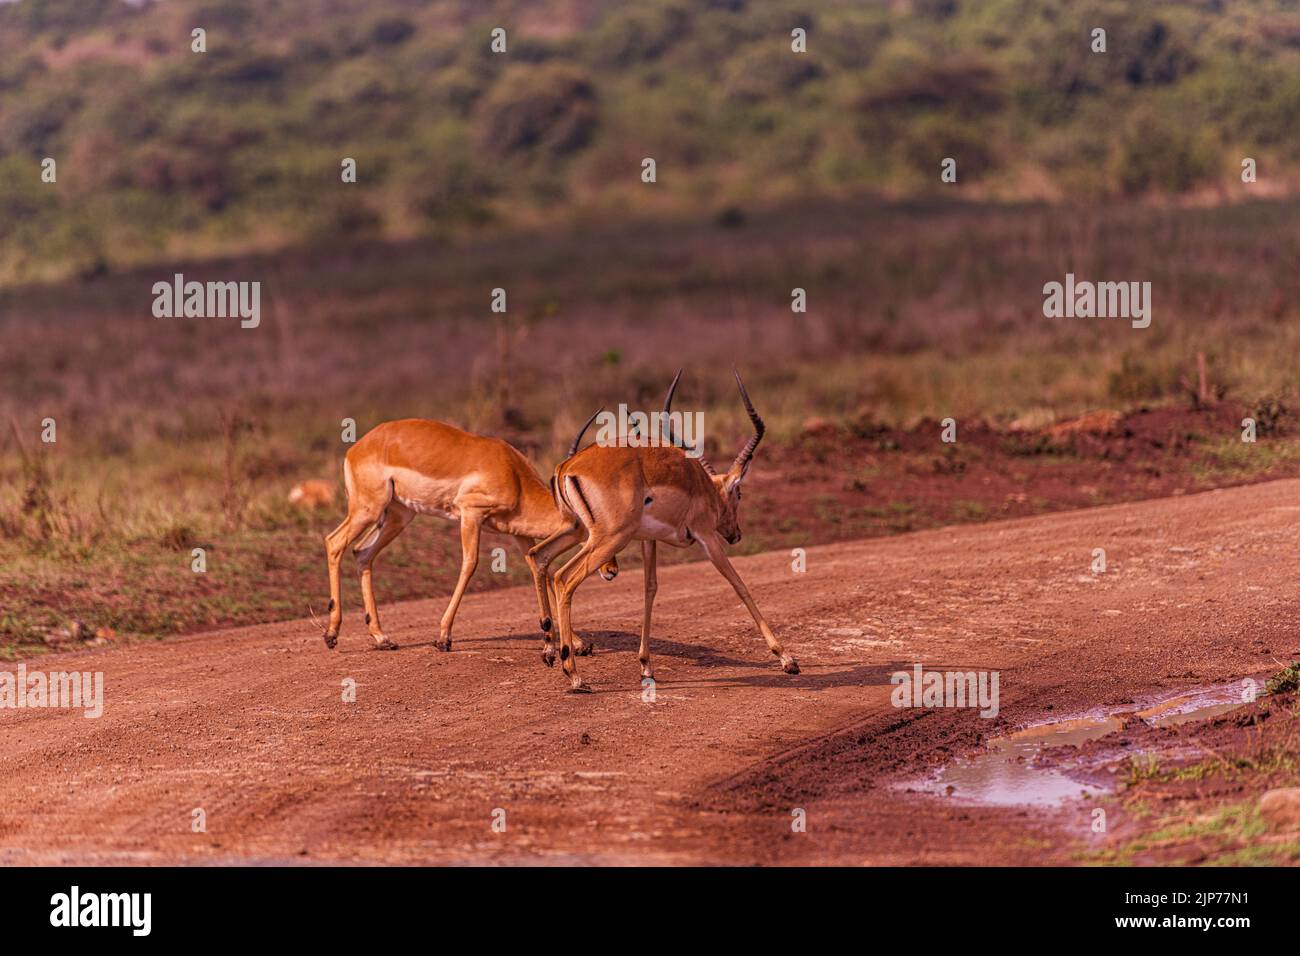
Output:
x,y
414,466
651,495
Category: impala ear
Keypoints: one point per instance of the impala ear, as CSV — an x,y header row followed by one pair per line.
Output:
x,y
734,478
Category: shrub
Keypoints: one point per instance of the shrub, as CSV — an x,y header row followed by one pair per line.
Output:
x,y
766,71
1155,152
1285,681
639,36
1268,413
907,85
392,31
1134,381
549,109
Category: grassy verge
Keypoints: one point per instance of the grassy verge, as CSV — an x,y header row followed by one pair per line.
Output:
x,y
176,434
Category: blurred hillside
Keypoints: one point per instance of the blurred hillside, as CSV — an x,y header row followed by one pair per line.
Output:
x,y
163,152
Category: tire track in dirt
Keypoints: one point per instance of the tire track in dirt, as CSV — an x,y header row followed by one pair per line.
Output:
x,y
249,724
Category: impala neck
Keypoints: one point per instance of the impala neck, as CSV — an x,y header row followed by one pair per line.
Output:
x,y
537,510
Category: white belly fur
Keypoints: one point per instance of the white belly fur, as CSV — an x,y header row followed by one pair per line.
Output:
x,y
653,529
425,495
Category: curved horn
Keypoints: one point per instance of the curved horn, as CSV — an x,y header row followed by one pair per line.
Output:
x,y
668,407
747,452
577,440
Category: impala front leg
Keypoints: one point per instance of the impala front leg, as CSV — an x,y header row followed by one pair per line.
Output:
x,y
471,526
542,588
713,546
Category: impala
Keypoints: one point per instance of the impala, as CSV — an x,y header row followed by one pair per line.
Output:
x,y
652,495
414,466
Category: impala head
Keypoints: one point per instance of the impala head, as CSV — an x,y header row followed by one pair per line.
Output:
x,y
728,484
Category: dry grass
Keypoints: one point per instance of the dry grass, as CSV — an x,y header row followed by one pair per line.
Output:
x,y
175,433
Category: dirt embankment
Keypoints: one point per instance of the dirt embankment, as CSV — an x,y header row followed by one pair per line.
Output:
x,y
863,478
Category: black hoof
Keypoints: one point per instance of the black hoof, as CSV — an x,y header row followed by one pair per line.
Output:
x,y
331,641
385,645
443,645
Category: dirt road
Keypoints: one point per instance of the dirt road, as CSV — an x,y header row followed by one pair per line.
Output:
x,y
250,726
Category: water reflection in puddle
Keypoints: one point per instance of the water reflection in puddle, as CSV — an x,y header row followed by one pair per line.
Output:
x,y
1006,774
1198,705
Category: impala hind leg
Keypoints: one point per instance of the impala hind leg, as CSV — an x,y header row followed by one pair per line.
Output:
x,y
608,571
359,519
539,558
336,542
471,526
595,553
713,546
395,518
549,652
649,557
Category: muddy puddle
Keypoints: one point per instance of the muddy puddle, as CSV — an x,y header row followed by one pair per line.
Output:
x,y
1007,773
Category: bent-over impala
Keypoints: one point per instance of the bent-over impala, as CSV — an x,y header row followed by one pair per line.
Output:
x,y
415,466
652,495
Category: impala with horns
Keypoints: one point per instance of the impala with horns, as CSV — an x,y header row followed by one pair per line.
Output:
x,y
652,495
415,466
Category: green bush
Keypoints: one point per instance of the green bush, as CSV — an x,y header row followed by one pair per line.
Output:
x,y
766,71
1158,153
391,31
549,109
1135,380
